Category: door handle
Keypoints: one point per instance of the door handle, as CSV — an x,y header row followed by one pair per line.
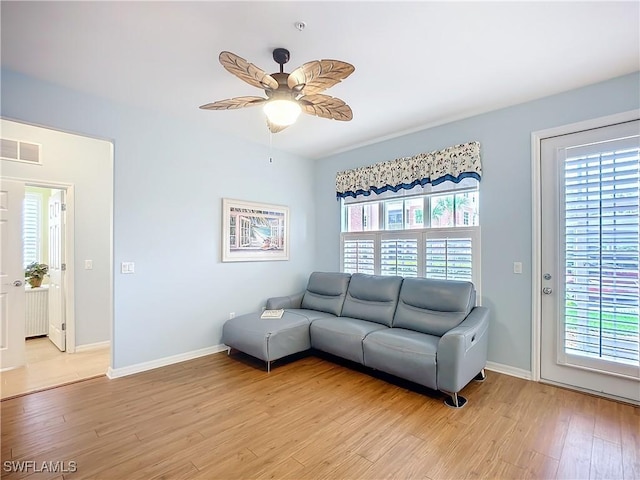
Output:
x,y
17,283
547,290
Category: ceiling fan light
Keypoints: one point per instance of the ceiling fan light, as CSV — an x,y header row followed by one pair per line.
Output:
x,y
282,112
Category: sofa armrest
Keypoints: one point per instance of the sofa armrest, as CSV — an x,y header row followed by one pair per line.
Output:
x,y
462,351
291,301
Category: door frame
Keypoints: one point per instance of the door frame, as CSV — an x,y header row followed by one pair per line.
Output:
x,y
536,267
69,248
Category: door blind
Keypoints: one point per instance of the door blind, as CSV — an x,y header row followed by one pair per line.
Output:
x,y
601,255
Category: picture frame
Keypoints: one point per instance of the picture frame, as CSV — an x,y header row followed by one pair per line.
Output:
x,y
254,232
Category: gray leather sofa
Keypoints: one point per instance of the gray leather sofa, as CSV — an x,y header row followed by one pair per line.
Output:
x,y
426,331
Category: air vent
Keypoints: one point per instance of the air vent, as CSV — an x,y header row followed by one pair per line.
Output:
x,y
20,151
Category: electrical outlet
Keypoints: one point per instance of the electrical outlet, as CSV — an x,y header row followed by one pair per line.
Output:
x,y
232,314
517,267
88,264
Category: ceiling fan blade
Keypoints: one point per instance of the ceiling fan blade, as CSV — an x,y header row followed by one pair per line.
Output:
x,y
247,71
233,103
326,107
315,77
273,128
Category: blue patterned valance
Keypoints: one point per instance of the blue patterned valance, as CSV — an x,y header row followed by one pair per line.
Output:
x,y
453,164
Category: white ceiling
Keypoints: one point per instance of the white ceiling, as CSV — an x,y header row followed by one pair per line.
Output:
x,y
418,64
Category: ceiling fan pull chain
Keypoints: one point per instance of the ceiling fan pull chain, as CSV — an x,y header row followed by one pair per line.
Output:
x,y
270,146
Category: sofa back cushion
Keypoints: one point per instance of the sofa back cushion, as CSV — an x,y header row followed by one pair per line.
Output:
x,y
433,306
326,292
372,297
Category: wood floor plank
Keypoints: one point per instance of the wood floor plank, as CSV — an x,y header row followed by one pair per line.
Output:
x,y
499,469
226,417
353,466
607,426
575,461
288,469
538,466
169,471
630,435
401,460
606,460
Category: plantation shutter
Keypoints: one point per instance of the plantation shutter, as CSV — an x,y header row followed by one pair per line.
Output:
x,y
32,210
358,255
399,256
601,241
449,258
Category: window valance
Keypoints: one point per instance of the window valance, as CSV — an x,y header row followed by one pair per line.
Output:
x,y
453,164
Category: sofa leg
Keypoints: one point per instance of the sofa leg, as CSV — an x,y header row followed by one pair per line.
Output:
x,y
481,377
268,367
228,351
455,401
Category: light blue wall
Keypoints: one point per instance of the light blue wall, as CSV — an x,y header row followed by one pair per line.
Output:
x,y
170,176
505,198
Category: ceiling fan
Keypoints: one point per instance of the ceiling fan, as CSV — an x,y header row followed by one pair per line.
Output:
x,y
288,94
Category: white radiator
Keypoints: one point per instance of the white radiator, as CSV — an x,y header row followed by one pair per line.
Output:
x,y
36,311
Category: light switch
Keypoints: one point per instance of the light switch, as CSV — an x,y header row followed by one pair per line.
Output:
x,y
517,267
127,267
88,264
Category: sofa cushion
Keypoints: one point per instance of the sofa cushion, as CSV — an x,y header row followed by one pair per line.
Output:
x,y
310,315
267,339
433,306
403,353
372,297
326,292
342,336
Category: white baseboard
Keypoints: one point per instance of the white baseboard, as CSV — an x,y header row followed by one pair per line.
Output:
x,y
509,370
163,362
183,357
92,346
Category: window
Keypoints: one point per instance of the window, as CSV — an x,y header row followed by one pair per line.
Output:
x,y
31,230
433,235
362,217
393,215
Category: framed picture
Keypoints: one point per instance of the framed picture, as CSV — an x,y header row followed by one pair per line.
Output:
x,y
254,232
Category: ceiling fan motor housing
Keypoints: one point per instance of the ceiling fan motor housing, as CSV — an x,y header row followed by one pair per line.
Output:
x,y
283,90
281,56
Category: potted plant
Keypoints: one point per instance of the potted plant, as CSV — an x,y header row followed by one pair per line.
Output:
x,y
35,272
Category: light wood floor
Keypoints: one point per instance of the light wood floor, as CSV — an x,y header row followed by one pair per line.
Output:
x,y
225,417
47,367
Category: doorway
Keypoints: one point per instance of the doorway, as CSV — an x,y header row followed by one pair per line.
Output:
x,y
48,314
586,287
80,170
43,244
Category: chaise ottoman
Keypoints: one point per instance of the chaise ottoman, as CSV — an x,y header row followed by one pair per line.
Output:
x,y
267,338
